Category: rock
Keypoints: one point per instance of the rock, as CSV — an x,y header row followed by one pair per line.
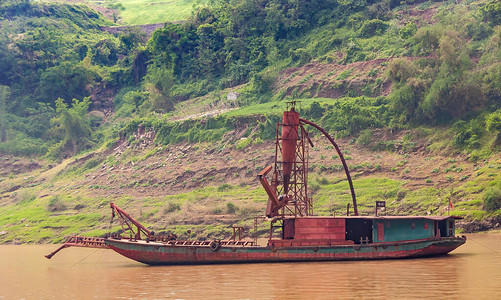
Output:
x,y
79,206
232,96
3,232
479,225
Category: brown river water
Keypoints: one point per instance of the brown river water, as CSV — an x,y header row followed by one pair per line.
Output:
x,y
471,272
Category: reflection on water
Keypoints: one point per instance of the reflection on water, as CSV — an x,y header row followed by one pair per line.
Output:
x,y
472,271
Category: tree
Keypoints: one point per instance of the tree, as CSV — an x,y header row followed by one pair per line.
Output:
x,y
158,84
65,81
4,95
73,125
493,125
492,12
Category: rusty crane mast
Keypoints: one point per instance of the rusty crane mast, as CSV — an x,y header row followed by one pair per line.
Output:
x,y
288,190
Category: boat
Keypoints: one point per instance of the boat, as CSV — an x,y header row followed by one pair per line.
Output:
x,y
295,233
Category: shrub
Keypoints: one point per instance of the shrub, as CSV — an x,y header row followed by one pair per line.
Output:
x,y
491,12
171,207
408,30
400,70
373,27
300,55
426,40
244,143
315,111
323,181
223,187
493,124
468,134
25,196
56,204
478,31
492,198
351,115
345,74
231,208
477,155
365,137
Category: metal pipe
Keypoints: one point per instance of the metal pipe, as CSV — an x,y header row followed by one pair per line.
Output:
x,y
355,210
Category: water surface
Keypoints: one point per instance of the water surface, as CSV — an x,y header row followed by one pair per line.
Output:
x,y
471,272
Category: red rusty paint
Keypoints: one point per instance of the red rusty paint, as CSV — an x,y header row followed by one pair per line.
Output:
x,y
380,231
197,255
80,241
320,229
289,141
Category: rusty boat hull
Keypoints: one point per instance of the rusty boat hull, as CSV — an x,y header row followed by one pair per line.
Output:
x,y
157,253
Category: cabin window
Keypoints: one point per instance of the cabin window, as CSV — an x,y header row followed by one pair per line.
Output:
x,y
413,225
426,226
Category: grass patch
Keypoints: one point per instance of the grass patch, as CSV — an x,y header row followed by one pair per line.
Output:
x,y
139,12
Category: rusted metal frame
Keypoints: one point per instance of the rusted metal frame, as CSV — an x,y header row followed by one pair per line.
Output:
x,y
304,173
305,136
273,199
235,229
296,176
298,203
299,182
128,220
341,157
126,227
255,229
271,230
207,243
275,173
278,176
80,241
272,226
306,168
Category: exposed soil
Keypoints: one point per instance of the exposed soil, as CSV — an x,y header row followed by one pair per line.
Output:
x,y
10,166
181,168
336,80
418,16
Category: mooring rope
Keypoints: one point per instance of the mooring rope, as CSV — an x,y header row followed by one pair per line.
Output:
x,y
83,258
469,238
99,259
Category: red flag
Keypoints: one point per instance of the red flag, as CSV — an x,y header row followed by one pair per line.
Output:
x,y
450,204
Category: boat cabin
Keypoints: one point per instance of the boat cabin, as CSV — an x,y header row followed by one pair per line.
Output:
x,y
327,231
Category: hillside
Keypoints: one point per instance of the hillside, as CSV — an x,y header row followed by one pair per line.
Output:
x,y
175,127
208,187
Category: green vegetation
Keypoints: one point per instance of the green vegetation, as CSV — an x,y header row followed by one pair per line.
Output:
x,y
229,43
492,198
67,87
135,12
